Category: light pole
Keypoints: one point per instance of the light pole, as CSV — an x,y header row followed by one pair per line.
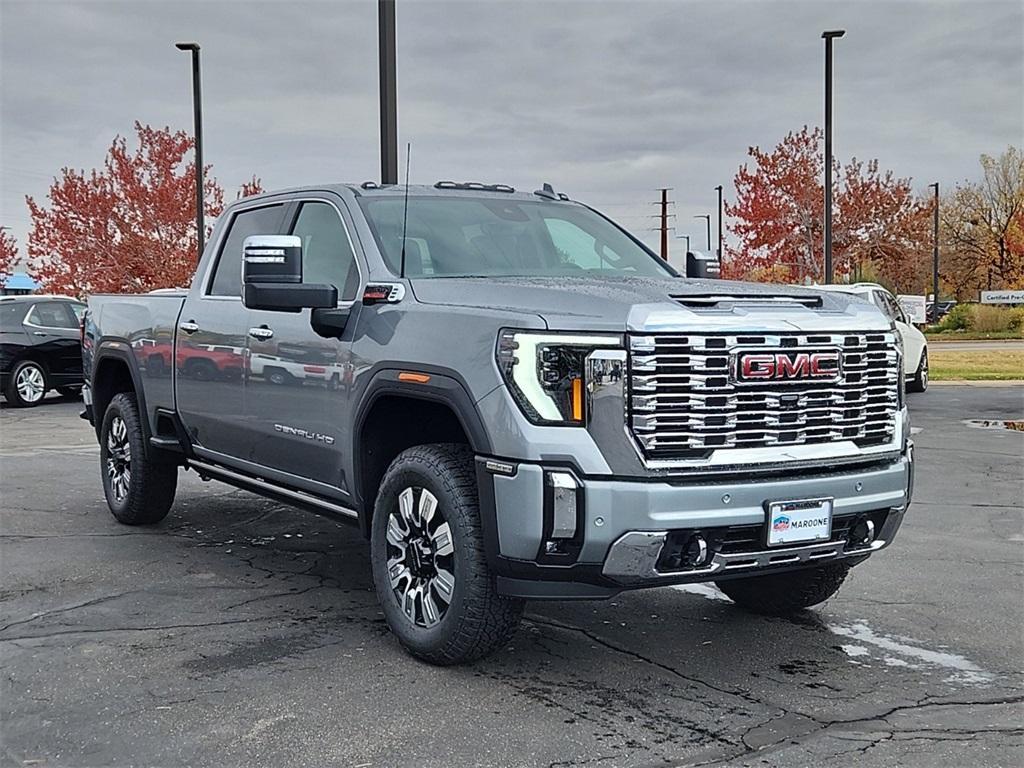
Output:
x,y
719,188
386,46
935,254
197,116
687,239
829,36
707,218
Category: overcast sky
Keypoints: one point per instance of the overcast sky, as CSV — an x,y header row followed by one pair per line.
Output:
x,y
605,100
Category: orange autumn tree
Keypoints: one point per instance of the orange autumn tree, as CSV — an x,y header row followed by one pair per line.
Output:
x,y
8,255
779,214
128,227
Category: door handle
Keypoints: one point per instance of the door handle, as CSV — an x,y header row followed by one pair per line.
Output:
x,y
40,333
263,333
189,326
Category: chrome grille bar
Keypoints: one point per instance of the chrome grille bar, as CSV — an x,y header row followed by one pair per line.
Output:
x,y
684,401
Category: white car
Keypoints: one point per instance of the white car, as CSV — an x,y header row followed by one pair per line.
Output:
x,y
915,346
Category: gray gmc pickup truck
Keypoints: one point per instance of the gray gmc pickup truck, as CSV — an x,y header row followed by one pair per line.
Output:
x,y
513,399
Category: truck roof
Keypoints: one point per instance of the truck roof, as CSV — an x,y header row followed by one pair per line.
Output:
x,y
439,189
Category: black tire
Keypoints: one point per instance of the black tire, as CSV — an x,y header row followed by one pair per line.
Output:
x,y
783,594
70,393
29,371
477,620
146,495
920,381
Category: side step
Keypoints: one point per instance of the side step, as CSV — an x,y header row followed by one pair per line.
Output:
x,y
276,492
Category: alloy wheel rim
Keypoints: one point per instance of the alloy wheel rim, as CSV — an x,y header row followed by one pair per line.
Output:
x,y
924,372
119,459
31,384
420,557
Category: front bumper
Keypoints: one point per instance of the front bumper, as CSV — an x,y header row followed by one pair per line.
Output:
x,y
625,524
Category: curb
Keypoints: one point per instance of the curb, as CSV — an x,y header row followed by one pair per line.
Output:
x,y
977,383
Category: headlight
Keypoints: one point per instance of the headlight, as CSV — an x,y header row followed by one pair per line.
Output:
x,y
546,373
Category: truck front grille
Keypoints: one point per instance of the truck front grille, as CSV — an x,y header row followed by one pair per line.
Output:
x,y
687,400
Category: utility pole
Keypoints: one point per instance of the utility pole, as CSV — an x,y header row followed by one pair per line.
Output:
x,y
707,219
388,92
664,222
829,36
197,117
935,255
719,188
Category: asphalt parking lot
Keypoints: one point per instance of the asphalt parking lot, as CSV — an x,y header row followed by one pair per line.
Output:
x,y
241,632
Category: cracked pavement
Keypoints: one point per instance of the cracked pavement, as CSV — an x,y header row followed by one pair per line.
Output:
x,y
242,632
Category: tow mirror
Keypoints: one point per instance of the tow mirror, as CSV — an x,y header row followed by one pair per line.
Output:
x,y
272,276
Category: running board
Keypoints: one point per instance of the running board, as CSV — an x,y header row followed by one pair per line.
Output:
x,y
276,492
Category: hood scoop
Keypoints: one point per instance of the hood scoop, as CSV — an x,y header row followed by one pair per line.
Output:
x,y
727,302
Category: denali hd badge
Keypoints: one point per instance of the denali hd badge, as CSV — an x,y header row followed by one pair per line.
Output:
x,y
789,367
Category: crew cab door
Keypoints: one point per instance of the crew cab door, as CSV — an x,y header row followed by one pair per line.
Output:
x,y
299,381
210,353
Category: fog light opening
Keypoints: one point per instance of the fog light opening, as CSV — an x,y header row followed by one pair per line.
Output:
x,y
862,533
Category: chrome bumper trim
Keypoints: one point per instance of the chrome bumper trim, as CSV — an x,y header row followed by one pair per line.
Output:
x,y
633,558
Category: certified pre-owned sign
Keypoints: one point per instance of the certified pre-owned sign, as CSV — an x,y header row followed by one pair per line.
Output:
x,y
1002,297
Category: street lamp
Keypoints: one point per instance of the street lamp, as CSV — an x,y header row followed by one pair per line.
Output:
x,y
829,36
197,112
935,254
707,218
719,188
687,239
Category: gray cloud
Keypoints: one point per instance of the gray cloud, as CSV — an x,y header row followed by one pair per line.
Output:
x,y
606,100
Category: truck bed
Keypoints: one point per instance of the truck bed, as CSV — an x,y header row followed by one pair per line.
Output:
x,y
142,328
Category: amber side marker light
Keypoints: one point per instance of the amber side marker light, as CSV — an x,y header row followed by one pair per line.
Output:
x,y
577,399
415,378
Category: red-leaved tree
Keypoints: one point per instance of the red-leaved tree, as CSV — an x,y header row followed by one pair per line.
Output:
x,y
8,255
779,213
128,227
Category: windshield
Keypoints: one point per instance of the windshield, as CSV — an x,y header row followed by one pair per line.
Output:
x,y
476,237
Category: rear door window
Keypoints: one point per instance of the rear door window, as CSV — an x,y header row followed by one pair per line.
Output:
x,y
227,278
52,314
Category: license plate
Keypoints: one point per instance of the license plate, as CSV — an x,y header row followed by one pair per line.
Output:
x,y
799,521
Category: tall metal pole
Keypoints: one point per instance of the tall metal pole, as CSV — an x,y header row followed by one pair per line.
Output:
x,y
664,223
197,118
707,218
935,255
719,188
687,239
829,36
388,92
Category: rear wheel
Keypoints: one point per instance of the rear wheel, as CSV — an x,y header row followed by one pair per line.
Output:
x,y
27,385
428,561
138,490
920,381
782,594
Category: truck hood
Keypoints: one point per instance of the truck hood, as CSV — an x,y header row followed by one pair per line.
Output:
x,y
655,305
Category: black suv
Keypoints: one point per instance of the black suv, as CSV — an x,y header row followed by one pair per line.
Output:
x,y
40,347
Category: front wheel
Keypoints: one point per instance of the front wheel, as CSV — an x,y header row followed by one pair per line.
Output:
x,y
783,594
920,381
428,561
27,384
138,490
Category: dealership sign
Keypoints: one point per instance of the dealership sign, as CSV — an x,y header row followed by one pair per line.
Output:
x,y
914,308
1002,297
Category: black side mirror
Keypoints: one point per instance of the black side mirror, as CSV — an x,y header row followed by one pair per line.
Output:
x,y
703,265
272,276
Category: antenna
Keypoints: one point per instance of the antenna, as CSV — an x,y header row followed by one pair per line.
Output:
x,y
405,211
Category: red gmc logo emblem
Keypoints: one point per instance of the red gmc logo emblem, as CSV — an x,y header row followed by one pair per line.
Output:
x,y
788,366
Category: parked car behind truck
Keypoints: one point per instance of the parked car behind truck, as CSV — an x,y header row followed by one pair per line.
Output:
x,y
535,406
39,347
